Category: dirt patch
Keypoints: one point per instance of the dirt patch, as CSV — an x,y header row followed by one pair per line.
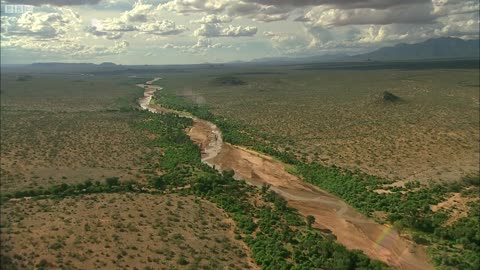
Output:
x,y
199,134
352,229
209,137
456,206
111,231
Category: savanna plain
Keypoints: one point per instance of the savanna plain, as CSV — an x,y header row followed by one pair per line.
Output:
x,y
89,180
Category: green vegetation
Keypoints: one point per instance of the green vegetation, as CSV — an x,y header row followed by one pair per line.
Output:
x,y
337,116
276,244
407,207
387,96
228,80
68,93
23,78
126,230
277,235
68,128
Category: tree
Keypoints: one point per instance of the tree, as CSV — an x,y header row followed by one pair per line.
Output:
x,y
310,221
112,181
265,188
159,183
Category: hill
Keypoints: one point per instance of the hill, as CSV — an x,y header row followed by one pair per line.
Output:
x,y
436,48
432,49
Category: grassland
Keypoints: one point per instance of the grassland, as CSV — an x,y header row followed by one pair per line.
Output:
x,y
60,130
45,148
127,231
443,104
339,117
127,221
57,129
67,93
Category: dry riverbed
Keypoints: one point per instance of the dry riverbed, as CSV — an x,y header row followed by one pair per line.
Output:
x,y
351,228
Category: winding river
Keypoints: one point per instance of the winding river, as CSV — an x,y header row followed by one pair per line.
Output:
x,y
352,229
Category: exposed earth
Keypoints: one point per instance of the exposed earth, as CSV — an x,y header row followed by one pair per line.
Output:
x,y
351,228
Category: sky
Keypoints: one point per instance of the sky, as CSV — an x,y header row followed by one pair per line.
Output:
x,y
212,31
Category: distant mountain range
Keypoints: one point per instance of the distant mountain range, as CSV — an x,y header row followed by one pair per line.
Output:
x,y
432,49
435,48
308,59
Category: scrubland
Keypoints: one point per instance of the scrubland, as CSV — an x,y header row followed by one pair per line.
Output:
x,y
339,117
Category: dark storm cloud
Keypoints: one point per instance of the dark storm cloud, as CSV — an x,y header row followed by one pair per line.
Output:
x,y
377,4
54,2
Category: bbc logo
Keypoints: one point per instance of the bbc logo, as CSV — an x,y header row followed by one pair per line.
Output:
x,y
17,9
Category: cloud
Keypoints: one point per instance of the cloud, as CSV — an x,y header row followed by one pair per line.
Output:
x,y
137,19
57,33
234,8
114,25
201,47
54,2
287,43
208,44
376,4
212,18
264,13
320,36
459,25
290,27
138,13
217,30
162,28
186,6
280,10
93,30
67,48
452,7
271,18
409,14
40,25
252,6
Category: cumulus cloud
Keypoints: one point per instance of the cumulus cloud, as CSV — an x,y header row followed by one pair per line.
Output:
x,y
162,28
459,25
138,13
287,43
185,6
217,30
452,7
140,18
244,6
67,48
377,4
201,47
212,18
55,33
40,25
54,2
257,12
271,17
329,17
93,30
307,26
234,8
114,25
206,43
